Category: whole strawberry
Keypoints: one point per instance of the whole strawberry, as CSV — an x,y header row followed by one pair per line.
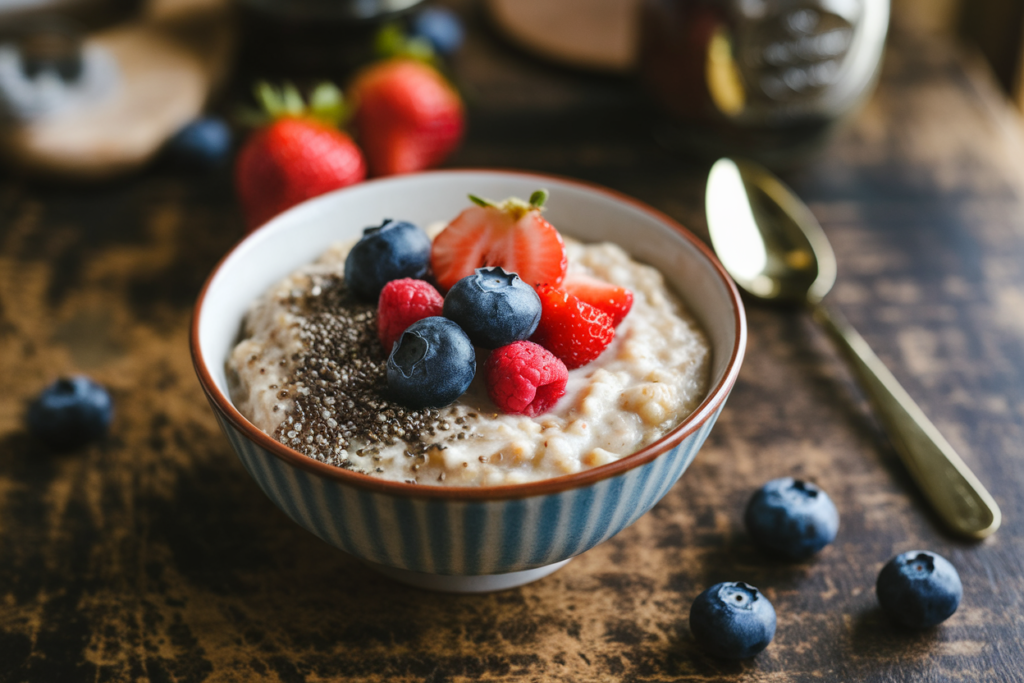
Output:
x,y
299,154
408,116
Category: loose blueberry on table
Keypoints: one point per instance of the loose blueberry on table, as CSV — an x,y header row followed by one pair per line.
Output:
x,y
919,589
390,251
791,518
441,28
732,620
493,307
432,364
202,143
70,413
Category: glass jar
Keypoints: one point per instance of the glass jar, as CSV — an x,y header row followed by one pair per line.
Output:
x,y
769,80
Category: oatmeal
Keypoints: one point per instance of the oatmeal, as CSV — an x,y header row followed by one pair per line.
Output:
x,y
310,372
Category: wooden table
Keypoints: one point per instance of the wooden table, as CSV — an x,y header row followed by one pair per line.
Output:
x,y
154,556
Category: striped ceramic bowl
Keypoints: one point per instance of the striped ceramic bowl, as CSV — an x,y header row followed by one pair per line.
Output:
x,y
452,538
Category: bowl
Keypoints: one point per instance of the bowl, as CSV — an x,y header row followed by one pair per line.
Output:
x,y
455,538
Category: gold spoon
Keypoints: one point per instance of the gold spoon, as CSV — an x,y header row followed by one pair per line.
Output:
x,y
774,248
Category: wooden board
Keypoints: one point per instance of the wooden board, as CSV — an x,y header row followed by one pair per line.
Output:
x,y
154,556
168,63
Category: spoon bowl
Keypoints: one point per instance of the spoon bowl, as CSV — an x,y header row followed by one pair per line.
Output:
x,y
792,261
774,248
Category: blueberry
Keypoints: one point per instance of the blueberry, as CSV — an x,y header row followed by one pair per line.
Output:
x,y
203,143
394,250
732,620
495,308
441,28
919,589
71,413
431,364
791,518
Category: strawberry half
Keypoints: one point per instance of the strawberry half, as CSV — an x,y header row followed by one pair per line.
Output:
x,y
604,296
573,330
510,234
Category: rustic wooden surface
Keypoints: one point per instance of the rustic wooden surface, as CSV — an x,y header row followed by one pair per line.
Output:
x,y
153,556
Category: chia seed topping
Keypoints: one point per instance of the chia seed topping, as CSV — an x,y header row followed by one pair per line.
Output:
x,y
341,413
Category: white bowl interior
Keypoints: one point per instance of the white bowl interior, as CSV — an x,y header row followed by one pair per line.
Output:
x,y
301,234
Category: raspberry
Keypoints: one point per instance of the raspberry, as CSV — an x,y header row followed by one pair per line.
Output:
x,y
401,303
524,378
571,329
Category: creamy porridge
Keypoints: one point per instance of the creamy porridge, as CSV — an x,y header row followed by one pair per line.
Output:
x,y
311,373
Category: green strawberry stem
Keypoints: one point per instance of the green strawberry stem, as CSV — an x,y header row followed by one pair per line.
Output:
x,y
514,206
391,42
326,105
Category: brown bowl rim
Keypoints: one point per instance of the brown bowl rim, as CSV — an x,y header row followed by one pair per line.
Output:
x,y
553,485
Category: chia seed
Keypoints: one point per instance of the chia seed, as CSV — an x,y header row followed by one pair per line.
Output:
x,y
343,364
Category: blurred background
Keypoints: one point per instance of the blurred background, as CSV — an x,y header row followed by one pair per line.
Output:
x,y
93,89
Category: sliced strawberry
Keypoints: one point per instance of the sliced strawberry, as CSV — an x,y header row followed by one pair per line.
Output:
x,y
511,234
612,299
573,330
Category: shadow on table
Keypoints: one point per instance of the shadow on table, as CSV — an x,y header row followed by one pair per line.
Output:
x,y
873,636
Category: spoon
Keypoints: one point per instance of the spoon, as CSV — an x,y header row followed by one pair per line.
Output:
x,y
774,248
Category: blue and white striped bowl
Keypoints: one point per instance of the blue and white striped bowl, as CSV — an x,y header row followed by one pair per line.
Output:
x,y
453,538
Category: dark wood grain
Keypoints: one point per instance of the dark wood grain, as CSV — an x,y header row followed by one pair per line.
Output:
x,y
153,556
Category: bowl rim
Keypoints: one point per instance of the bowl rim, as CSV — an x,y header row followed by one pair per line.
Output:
x,y
708,407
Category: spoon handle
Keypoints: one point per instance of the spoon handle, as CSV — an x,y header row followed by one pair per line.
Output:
x,y
953,490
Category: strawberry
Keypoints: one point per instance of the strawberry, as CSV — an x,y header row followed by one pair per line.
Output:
x,y
409,117
612,299
510,234
300,154
573,330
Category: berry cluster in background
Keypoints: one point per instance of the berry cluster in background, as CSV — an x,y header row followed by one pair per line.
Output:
x,y
399,114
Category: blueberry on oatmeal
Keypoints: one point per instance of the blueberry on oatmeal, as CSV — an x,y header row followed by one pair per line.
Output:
x,y
392,250
493,307
432,364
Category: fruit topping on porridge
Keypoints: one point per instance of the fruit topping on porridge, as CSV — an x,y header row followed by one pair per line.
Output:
x,y
541,358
